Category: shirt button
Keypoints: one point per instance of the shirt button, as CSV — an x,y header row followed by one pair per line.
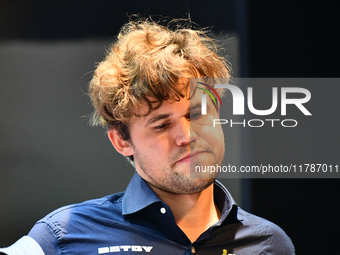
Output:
x,y
193,250
163,210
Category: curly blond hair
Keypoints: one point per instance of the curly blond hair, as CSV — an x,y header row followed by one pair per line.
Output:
x,y
147,60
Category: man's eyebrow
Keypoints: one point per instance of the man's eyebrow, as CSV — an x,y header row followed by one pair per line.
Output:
x,y
157,118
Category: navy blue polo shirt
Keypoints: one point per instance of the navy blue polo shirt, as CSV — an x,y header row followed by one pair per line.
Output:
x,y
138,222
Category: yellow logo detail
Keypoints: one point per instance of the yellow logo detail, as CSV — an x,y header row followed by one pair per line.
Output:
x,y
225,252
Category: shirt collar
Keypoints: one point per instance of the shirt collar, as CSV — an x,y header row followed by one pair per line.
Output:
x,y
139,195
225,203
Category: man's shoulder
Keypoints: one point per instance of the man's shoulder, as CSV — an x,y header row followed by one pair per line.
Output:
x,y
110,202
80,215
73,222
255,223
273,239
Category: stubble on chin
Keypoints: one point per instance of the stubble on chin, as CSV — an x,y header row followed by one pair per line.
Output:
x,y
171,179
182,185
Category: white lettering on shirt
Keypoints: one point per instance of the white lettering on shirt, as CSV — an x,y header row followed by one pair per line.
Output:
x,y
118,248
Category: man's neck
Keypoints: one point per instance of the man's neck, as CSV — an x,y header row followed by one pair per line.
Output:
x,y
194,213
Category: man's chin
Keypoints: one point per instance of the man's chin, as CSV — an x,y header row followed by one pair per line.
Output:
x,y
199,185
189,186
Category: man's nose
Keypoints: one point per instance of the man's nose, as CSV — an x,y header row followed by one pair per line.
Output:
x,y
183,133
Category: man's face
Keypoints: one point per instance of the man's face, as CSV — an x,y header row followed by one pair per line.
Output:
x,y
168,144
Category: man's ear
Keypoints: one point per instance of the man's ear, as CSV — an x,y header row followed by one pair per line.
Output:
x,y
121,145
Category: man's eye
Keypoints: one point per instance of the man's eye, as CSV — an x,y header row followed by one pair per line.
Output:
x,y
161,127
194,116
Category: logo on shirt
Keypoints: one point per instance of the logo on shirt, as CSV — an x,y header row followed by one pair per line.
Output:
x,y
225,252
119,248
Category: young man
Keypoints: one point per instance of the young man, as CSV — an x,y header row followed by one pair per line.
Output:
x,y
142,94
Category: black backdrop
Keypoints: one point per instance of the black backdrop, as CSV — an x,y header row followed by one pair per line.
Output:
x,y
297,39
278,39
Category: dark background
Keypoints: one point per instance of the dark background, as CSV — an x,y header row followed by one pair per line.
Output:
x,y
276,39
298,39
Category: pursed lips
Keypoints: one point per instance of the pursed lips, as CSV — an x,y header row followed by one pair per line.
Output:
x,y
189,156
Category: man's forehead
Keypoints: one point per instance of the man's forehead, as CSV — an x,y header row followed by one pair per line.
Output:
x,y
143,110
143,106
190,94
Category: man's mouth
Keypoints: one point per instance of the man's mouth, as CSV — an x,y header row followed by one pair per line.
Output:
x,y
189,156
